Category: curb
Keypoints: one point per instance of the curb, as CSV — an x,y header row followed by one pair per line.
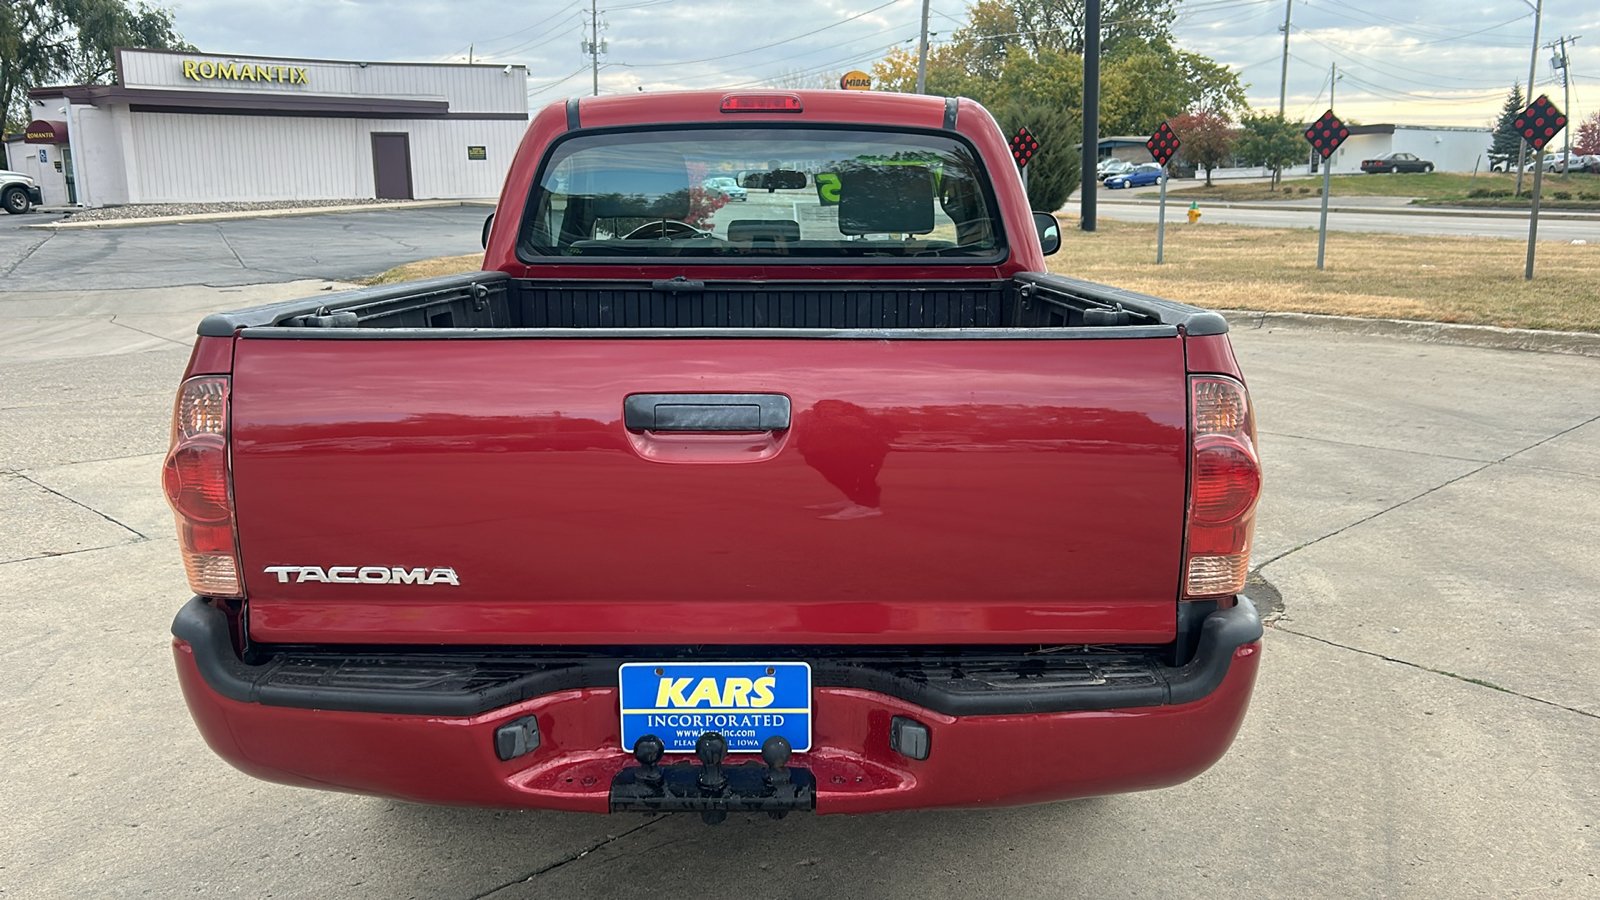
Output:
x,y
1456,211
257,214
1489,337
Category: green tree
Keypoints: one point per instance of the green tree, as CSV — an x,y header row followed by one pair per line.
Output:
x,y
1273,142
1059,24
1148,83
1507,142
1055,170
54,41
1206,139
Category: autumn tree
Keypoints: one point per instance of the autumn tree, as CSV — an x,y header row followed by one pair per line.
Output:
x,y
1206,139
1274,142
1586,138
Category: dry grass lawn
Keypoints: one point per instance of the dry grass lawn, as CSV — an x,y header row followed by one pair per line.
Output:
x,y
1438,279
1438,186
430,268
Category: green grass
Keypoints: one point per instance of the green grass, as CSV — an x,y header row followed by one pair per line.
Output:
x,y
1433,187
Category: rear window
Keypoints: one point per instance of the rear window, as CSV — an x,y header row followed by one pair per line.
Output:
x,y
762,192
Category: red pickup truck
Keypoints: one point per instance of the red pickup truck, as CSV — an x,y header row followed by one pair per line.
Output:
x,y
830,500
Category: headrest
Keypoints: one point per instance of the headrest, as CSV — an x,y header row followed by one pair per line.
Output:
x,y
878,199
656,187
763,230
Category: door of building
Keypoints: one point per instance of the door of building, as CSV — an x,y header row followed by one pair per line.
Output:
x,y
391,165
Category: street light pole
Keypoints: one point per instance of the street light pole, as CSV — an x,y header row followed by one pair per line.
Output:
x,y
1091,113
1533,72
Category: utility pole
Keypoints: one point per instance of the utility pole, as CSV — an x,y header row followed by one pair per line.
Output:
x,y
1090,155
1283,75
469,54
1533,73
1563,63
922,53
594,43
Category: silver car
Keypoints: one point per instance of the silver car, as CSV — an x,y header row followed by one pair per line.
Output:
x,y
727,186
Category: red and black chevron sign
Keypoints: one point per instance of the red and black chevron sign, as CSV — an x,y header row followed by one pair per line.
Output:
x,y
1326,134
1540,122
1163,144
1023,146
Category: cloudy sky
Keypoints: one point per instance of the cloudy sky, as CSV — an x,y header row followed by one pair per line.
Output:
x,y
1446,62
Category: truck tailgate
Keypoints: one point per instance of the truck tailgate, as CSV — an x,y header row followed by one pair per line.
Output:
x,y
925,491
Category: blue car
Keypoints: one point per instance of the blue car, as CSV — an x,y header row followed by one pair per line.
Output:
x,y
1146,173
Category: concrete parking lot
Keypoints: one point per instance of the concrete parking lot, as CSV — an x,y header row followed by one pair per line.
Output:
x,y
1425,724
230,252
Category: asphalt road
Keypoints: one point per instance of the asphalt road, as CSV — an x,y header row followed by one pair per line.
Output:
x,y
338,246
1424,725
1454,224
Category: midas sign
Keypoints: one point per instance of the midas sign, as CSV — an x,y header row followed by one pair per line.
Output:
x,y
856,81
228,71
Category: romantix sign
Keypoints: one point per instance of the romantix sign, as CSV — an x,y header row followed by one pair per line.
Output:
x,y
237,71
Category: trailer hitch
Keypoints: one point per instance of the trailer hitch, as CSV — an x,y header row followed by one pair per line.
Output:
x,y
712,789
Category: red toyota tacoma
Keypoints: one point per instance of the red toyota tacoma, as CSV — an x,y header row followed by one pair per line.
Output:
x,y
828,500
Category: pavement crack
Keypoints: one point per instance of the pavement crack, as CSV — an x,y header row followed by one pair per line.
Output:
x,y
24,257
149,333
1321,440
1392,507
46,488
1365,519
1552,437
8,562
229,244
571,857
1448,674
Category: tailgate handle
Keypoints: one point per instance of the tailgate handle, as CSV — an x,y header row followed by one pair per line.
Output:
x,y
706,412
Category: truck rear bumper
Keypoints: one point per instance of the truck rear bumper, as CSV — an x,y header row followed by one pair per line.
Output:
x,y
974,760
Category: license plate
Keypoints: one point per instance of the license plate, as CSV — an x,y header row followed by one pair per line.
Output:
x,y
746,703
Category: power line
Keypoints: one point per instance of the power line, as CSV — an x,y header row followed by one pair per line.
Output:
x,y
686,62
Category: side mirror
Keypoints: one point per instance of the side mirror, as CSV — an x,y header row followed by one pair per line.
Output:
x,y
1049,232
486,225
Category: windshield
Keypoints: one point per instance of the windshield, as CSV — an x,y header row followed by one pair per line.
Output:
x,y
769,192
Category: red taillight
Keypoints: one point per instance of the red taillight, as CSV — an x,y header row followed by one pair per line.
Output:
x,y
753,103
1224,484
196,479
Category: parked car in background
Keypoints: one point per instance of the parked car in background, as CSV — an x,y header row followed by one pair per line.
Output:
x,y
1561,162
727,186
1142,174
1396,162
1112,166
18,192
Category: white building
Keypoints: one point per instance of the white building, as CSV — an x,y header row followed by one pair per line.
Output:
x,y
191,127
1449,148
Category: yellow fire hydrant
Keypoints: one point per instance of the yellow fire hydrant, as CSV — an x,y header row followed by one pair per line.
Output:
x,y
1194,212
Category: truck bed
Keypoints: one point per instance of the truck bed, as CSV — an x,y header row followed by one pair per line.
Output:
x,y
952,468
1028,305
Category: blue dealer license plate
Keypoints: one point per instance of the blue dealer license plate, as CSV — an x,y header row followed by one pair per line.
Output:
x,y
746,703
